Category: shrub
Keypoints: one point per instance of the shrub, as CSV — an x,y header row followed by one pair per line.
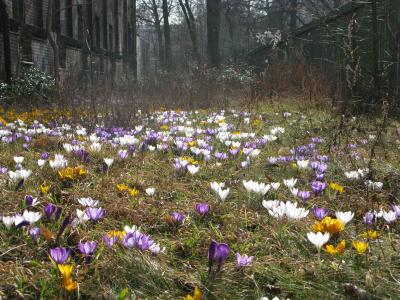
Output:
x,y
32,86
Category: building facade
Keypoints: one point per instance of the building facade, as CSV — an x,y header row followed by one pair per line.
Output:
x,y
96,36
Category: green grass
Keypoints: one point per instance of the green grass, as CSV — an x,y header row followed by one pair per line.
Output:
x,y
286,263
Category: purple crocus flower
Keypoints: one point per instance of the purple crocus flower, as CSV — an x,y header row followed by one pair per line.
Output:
x,y
3,170
244,261
322,168
217,253
109,241
60,254
122,154
87,248
94,213
318,186
319,176
44,155
130,240
234,151
144,242
58,213
177,217
320,213
28,200
202,208
49,210
34,233
304,195
221,155
369,218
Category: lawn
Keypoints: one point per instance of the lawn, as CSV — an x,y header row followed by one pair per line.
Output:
x,y
227,203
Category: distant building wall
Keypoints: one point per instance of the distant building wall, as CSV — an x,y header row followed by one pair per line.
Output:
x,y
103,19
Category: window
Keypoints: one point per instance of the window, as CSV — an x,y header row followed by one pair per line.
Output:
x,y
97,25
18,9
104,17
69,31
80,22
56,17
116,26
110,36
38,13
89,21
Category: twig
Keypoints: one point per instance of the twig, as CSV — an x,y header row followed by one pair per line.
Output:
x,y
12,249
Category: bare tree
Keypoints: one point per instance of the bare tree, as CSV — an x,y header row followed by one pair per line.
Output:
x,y
214,8
167,35
191,24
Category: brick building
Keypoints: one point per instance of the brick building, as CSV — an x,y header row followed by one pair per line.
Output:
x,y
92,35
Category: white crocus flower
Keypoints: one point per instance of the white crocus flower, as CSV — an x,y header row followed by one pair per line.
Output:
x,y
223,193
18,219
192,169
58,162
303,164
269,204
41,162
89,202
256,187
82,217
150,191
318,239
8,221
215,186
19,175
375,186
290,183
31,216
131,229
294,212
275,185
294,191
390,216
68,147
96,147
345,217
18,159
108,161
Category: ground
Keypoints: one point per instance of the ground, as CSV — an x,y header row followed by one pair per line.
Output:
x,y
338,165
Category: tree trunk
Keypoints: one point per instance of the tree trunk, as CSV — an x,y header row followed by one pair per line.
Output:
x,y
213,29
157,24
229,21
375,51
190,21
52,37
133,39
293,15
4,21
167,35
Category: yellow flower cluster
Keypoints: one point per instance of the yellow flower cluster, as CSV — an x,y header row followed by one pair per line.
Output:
x,y
71,173
122,187
43,115
360,247
336,187
198,295
67,282
330,225
118,233
190,160
164,127
336,250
